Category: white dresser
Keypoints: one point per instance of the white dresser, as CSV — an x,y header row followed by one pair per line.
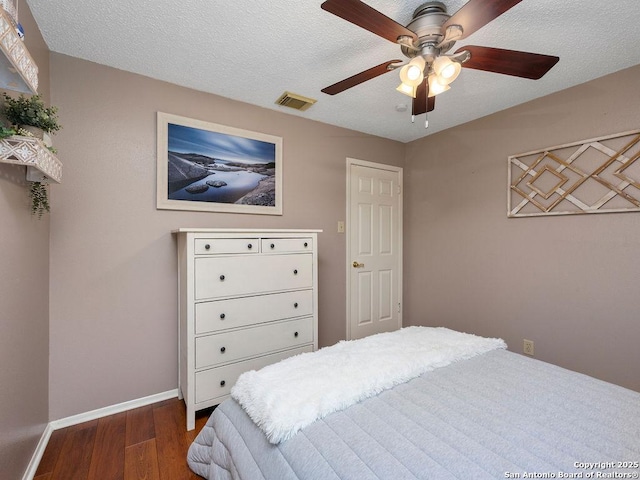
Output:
x,y
247,298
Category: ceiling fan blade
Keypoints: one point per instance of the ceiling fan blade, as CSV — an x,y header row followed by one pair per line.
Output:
x,y
475,14
359,78
369,18
509,62
422,103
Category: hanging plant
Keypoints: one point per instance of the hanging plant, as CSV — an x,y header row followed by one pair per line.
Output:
x,y
39,199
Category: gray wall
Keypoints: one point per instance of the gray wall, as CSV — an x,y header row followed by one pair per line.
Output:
x,y
569,283
24,301
113,258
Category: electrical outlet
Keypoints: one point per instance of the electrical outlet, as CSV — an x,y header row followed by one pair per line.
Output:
x,y
528,347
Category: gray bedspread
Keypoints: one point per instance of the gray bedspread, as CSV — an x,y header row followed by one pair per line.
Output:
x,y
497,415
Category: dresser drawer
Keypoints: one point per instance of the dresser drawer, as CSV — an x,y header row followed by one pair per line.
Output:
x,y
231,346
288,245
217,277
208,246
217,382
239,312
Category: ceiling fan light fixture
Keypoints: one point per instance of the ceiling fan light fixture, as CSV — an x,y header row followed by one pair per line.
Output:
x,y
446,70
411,75
409,90
436,87
414,73
427,38
419,62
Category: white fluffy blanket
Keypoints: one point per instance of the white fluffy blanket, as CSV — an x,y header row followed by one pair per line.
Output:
x,y
287,396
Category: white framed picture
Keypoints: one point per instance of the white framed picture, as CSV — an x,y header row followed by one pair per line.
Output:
x,y
205,166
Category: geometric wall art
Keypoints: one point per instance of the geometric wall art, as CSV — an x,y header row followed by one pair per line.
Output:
x,y
600,175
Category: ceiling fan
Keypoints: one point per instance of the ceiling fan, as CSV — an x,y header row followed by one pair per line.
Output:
x,y
426,40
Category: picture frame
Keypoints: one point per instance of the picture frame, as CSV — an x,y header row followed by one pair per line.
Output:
x,y
208,167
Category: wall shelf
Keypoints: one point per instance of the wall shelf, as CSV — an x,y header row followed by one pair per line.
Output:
x,y
18,71
42,165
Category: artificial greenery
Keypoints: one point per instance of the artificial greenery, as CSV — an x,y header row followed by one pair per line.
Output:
x,y
31,111
6,132
39,199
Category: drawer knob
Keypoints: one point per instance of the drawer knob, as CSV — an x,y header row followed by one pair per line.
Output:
x,y
249,246
223,349
207,247
295,305
273,245
306,244
295,272
222,278
295,334
222,315
222,383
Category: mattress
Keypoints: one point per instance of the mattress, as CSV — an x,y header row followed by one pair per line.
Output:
x,y
496,415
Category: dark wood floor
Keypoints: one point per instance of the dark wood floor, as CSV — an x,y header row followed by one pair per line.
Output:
x,y
147,443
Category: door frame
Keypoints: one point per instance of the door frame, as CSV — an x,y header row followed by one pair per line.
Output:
x,y
378,166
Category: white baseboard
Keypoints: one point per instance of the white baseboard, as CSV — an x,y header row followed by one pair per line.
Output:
x,y
85,417
113,409
37,454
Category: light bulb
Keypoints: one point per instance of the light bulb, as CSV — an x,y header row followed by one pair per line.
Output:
x,y
446,70
413,72
411,75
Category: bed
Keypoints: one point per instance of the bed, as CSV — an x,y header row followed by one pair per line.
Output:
x,y
485,415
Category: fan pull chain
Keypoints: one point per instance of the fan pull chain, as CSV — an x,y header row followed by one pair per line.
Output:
x,y
426,120
426,111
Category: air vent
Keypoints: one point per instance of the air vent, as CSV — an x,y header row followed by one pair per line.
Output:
x,y
292,100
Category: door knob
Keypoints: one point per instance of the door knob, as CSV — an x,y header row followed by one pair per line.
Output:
x,y
358,265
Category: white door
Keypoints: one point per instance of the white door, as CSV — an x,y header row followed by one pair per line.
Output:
x,y
374,248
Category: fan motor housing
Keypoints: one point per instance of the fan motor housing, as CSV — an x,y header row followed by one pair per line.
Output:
x,y
427,23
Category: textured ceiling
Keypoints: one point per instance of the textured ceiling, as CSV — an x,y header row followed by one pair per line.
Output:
x,y
254,50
